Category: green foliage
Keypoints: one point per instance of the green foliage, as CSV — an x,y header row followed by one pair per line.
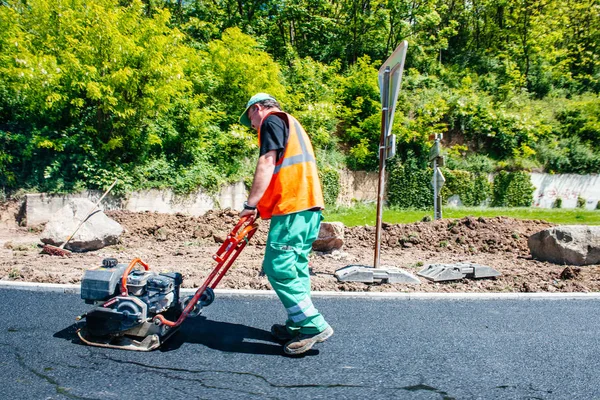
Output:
x,y
512,189
482,190
557,203
409,185
112,90
330,179
475,163
472,188
581,119
457,183
568,156
150,92
313,82
580,202
98,85
575,148
234,68
359,114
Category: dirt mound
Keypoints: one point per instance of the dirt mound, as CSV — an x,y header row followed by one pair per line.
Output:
x,y
183,243
174,227
458,236
461,236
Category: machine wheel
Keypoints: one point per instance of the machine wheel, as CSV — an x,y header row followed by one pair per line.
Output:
x,y
197,310
207,297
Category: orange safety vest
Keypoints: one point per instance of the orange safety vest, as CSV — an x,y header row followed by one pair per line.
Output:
x,y
295,184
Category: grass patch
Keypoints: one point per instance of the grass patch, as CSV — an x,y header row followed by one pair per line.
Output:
x,y
365,214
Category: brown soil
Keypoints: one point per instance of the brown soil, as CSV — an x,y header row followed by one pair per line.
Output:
x,y
186,244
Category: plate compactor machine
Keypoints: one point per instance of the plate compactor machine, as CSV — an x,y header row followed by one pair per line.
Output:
x,y
138,309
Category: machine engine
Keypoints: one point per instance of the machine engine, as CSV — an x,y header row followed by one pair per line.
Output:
x,y
131,313
139,309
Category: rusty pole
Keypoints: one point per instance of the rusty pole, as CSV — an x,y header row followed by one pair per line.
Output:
x,y
385,100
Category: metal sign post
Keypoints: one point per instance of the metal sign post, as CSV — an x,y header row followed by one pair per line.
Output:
x,y
382,156
390,78
438,180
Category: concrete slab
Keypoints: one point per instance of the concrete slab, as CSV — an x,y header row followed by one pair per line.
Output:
x,y
366,274
458,271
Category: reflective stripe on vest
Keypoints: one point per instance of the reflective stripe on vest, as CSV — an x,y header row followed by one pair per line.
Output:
x,y
305,156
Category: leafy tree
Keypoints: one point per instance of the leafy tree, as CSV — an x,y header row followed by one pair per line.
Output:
x,y
93,86
236,69
150,91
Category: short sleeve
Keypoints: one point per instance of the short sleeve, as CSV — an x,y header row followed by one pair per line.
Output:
x,y
273,136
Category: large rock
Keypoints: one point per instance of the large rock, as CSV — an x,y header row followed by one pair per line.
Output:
x,y
331,237
567,244
95,233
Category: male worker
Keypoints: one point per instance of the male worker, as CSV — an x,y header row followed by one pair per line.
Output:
x,y
286,189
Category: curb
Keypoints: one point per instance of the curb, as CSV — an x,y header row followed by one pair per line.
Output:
x,y
76,289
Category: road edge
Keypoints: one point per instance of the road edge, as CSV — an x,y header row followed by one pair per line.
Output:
x,y
75,289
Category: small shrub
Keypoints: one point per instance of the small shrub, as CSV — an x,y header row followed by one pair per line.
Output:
x,y
598,205
444,243
482,190
581,202
512,189
457,183
330,178
409,185
557,203
472,188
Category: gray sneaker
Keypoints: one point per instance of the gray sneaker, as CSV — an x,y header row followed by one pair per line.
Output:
x,y
304,342
281,333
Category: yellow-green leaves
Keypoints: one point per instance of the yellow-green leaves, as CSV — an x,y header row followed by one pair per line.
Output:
x,y
239,69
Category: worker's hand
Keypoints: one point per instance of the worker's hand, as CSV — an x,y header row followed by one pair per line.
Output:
x,y
245,213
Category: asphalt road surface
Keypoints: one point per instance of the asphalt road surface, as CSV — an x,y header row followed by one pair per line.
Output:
x,y
415,349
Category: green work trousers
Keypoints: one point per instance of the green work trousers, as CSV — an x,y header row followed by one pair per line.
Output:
x,y
286,265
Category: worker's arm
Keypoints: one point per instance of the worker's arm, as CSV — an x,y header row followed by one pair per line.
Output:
x,y
262,178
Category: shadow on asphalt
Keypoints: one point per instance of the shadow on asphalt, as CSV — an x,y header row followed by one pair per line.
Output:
x,y
222,336
69,333
227,337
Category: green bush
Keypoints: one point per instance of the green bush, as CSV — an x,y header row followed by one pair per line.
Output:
x,y
581,119
475,163
568,156
359,114
330,179
557,203
409,185
512,189
473,189
482,190
580,202
457,183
